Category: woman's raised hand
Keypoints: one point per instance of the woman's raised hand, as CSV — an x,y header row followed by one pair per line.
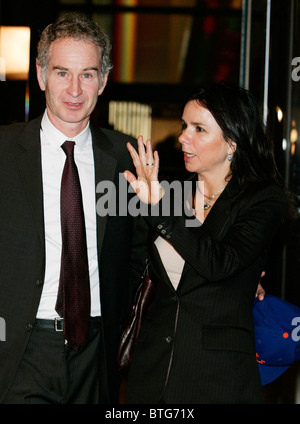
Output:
x,y
145,184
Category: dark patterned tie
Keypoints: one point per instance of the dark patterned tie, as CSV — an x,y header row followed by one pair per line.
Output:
x,y
73,300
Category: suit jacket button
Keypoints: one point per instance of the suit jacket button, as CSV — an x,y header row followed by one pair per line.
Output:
x,y
168,339
29,326
39,283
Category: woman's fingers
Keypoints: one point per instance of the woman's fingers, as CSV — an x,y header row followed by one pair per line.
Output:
x,y
141,151
146,163
155,163
134,155
130,177
149,155
144,160
145,152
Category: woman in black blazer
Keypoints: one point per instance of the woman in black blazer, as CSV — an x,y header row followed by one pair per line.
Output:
x,y
196,344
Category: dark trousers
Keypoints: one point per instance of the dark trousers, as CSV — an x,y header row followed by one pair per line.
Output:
x,y
53,373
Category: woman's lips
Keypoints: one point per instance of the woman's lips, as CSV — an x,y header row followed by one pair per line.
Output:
x,y
188,156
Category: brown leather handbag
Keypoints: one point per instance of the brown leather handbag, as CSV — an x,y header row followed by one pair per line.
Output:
x,y
142,302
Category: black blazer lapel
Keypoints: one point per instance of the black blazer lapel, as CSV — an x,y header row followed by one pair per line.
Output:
x,y
220,213
30,167
217,218
105,166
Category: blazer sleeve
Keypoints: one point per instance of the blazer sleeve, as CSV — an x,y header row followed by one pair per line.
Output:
x,y
246,234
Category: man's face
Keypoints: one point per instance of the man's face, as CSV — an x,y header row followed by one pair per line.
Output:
x,y
72,84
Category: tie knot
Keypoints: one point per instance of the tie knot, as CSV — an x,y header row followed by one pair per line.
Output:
x,y
68,147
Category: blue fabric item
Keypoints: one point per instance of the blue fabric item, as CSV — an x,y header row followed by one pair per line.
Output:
x,y
277,336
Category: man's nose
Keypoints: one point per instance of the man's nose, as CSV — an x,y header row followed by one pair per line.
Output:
x,y
74,87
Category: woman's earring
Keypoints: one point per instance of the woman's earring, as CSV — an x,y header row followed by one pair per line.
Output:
x,y
229,157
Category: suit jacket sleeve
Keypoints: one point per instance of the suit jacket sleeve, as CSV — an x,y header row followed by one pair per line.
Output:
x,y
245,234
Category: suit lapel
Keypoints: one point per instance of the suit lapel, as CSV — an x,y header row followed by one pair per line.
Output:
x,y
30,167
105,167
216,220
221,210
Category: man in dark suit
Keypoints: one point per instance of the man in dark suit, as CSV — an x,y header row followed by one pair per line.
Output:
x,y
38,364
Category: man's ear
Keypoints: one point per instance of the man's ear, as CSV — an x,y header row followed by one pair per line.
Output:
x,y
101,89
40,77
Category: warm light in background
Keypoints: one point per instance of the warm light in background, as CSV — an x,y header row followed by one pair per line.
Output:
x,y
293,137
15,52
131,118
125,40
279,113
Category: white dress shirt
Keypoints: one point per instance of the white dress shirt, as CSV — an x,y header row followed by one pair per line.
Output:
x,y
53,160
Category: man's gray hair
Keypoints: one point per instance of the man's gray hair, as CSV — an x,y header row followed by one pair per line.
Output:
x,y
77,27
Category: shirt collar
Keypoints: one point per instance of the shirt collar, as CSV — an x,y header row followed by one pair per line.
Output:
x,y
56,138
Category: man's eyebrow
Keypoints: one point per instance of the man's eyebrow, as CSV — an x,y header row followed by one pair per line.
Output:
x,y
91,68
62,68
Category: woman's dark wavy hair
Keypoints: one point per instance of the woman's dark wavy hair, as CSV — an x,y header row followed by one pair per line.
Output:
x,y
237,113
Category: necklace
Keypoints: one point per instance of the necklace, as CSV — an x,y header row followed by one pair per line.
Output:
x,y
206,205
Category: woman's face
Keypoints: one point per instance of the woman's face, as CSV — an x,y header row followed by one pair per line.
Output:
x,y
204,147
